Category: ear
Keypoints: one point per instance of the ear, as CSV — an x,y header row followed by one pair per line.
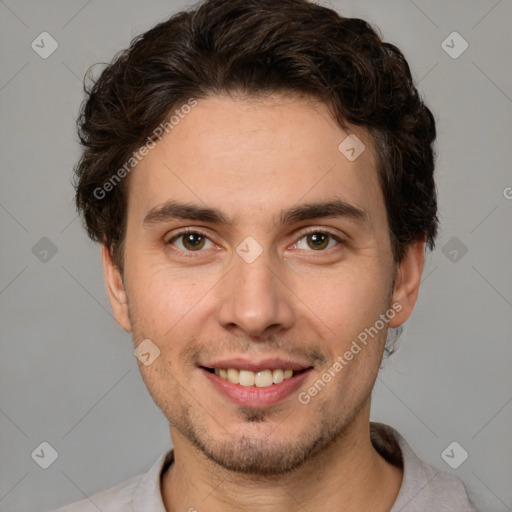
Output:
x,y
407,282
115,290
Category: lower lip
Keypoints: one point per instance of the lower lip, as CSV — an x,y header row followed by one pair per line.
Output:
x,y
252,396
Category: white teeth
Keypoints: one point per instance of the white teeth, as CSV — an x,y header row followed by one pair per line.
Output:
x,y
261,379
246,378
277,376
233,375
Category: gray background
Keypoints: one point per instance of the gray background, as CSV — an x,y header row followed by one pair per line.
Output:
x,y
67,373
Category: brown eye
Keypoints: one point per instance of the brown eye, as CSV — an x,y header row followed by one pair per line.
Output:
x,y
317,241
193,241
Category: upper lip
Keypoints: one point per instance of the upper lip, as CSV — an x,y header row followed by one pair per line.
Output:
x,y
257,366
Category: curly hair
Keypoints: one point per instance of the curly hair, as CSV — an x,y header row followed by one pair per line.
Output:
x,y
255,48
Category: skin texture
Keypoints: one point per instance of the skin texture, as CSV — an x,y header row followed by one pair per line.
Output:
x,y
252,159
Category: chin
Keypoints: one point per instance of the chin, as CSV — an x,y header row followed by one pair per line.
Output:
x,y
259,448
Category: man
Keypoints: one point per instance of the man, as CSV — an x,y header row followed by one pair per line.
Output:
x,y
260,176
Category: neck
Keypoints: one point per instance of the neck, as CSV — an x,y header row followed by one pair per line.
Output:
x,y
349,475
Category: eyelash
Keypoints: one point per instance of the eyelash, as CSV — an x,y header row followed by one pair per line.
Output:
x,y
202,233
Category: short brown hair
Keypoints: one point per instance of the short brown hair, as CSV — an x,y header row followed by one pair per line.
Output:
x,y
259,47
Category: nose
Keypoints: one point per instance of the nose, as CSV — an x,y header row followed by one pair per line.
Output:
x,y
254,299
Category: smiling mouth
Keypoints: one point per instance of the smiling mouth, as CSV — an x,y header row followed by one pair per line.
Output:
x,y
260,379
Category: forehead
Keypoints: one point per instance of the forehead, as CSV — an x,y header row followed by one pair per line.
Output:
x,y
257,156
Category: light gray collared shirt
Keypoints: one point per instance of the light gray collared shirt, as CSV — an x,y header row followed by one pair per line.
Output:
x,y
424,488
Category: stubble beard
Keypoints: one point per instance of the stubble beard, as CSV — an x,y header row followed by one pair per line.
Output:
x,y
252,454
263,456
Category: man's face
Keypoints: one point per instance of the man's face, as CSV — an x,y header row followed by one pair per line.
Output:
x,y
277,286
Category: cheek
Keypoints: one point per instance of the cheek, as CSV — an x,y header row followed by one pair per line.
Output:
x,y
161,380
347,300
161,298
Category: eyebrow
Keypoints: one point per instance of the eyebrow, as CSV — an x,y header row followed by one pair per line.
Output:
x,y
310,211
